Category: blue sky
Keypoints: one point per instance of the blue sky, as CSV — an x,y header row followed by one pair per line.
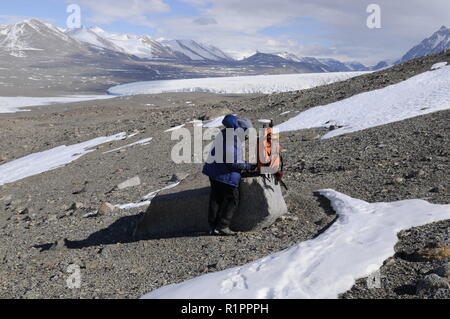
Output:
x,y
318,28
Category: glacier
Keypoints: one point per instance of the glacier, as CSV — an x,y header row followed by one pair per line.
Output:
x,y
257,84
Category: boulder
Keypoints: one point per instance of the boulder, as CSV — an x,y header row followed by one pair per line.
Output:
x,y
181,209
261,203
184,208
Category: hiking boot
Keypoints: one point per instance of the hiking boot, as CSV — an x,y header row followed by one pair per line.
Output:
x,y
226,232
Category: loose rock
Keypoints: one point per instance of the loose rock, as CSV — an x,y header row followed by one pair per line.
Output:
x,y
178,177
398,180
76,206
106,208
432,283
132,182
311,137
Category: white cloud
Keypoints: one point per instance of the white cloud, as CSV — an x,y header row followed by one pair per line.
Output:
x,y
132,11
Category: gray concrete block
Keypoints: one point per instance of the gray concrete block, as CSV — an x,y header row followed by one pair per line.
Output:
x,y
184,209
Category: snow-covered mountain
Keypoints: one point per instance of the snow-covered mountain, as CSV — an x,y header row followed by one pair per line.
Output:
x,y
439,41
88,35
145,47
33,35
289,56
325,65
197,51
21,38
141,46
284,60
355,66
382,65
333,65
316,63
35,38
266,58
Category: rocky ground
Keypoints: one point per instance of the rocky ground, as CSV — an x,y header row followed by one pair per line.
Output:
x,y
43,229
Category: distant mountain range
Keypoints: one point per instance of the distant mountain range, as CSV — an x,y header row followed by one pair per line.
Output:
x,y
34,37
145,47
197,51
309,64
35,40
438,42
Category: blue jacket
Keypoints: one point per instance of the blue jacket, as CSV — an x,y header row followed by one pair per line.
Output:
x,y
228,173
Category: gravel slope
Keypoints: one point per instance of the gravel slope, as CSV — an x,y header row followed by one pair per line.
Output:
x,y
408,159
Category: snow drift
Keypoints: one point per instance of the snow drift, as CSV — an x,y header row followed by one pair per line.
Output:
x,y
422,94
41,162
17,103
355,246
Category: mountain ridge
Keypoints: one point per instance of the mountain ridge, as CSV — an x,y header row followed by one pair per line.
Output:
x,y
31,36
437,42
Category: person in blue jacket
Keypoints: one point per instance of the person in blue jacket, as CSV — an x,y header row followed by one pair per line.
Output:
x,y
225,175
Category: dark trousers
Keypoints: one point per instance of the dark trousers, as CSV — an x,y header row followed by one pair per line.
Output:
x,y
223,203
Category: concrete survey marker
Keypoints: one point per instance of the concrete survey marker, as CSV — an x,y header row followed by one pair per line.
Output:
x,y
184,208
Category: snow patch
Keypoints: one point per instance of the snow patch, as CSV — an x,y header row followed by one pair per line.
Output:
x,y
363,236
422,94
54,158
147,199
144,141
153,194
15,104
438,65
215,122
174,128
